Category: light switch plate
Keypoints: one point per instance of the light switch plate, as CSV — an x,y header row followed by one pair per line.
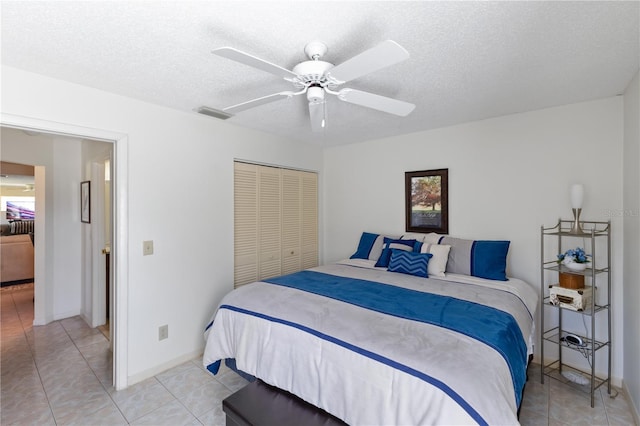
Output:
x,y
147,248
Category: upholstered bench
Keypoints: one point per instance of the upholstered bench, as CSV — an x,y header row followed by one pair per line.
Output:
x,y
260,404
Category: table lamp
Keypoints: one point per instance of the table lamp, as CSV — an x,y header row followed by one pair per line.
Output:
x,y
577,197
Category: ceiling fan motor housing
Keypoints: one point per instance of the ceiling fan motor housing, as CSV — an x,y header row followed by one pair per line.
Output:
x,y
312,73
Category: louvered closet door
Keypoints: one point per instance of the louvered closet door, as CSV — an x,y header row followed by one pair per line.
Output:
x,y
291,221
246,223
276,222
309,237
269,222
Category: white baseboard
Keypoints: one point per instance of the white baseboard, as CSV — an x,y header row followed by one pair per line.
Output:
x,y
86,319
144,375
64,315
634,409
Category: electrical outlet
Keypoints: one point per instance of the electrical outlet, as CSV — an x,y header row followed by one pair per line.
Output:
x,y
147,248
163,332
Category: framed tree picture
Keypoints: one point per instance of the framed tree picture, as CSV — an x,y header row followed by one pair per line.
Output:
x,y
427,201
85,201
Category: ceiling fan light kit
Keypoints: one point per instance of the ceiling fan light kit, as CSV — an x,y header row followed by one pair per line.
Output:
x,y
316,77
315,94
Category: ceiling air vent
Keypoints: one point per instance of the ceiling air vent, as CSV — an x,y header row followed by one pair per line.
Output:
x,y
213,113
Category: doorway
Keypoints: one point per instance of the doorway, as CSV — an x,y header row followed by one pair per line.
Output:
x,y
119,268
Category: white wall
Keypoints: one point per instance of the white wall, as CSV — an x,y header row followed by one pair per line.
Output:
x,y
66,201
631,214
507,177
180,195
61,158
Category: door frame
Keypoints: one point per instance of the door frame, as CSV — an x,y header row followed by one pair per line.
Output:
x,y
119,231
97,244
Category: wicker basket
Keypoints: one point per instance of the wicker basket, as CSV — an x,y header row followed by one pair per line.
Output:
x,y
572,281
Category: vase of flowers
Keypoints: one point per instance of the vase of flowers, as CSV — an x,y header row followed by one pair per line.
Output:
x,y
575,260
575,266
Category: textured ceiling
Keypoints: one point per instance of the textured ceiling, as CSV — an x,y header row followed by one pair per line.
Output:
x,y
469,60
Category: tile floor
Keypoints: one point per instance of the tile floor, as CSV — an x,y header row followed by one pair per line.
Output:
x,y
60,374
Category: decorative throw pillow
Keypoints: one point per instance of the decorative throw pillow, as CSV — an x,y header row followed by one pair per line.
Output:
x,y
432,238
438,263
406,262
479,258
369,247
413,236
389,244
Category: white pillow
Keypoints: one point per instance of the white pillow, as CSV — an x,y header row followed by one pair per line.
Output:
x,y
438,263
432,238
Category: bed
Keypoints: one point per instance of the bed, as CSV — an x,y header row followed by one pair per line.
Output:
x,y
374,345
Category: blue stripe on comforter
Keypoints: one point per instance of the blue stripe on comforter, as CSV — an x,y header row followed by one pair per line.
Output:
x,y
442,386
491,326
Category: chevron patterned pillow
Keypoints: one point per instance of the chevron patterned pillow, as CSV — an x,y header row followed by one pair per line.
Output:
x,y
390,244
407,262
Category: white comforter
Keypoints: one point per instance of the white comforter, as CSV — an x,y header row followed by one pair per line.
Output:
x,y
329,352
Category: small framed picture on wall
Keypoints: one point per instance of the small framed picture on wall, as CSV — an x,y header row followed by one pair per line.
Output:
x,y
427,201
85,201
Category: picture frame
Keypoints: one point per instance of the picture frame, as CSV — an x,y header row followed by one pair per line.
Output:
x,y
427,201
85,201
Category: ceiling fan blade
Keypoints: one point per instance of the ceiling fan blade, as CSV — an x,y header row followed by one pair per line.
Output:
x,y
258,101
381,103
252,61
383,55
317,113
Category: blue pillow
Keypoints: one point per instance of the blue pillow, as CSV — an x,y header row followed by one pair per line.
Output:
x,y
479,258
407,262
407,245
489,259
369,247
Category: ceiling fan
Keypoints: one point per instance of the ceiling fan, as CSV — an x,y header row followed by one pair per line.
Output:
x,y
316,77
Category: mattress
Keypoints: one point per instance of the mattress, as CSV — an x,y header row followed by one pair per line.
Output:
x,y
376,347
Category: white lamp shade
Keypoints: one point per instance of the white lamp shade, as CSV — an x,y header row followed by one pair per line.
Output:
x,y
577,196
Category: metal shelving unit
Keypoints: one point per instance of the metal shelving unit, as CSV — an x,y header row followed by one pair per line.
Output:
x,y
597,276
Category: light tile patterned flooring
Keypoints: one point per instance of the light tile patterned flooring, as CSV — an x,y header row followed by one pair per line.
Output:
x,y
60,374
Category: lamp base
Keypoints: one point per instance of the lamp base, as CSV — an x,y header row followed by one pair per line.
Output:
x,y
576,228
